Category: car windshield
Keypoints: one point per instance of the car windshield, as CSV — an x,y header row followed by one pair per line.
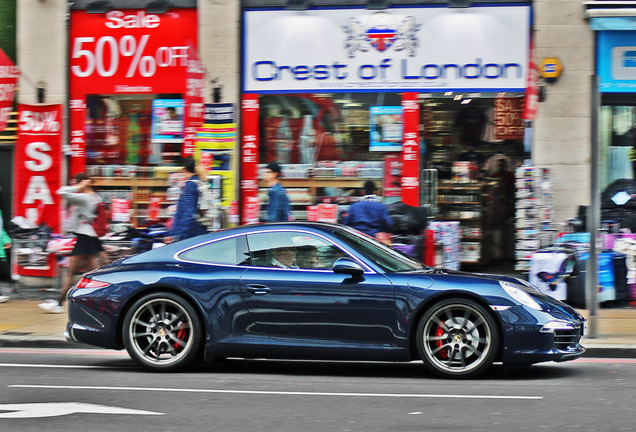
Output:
x,y
389,259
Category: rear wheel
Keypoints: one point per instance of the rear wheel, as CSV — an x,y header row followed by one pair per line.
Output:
x,y
162,332
457,338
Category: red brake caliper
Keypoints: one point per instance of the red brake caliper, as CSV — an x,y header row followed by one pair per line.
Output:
x,y
439,343
181,334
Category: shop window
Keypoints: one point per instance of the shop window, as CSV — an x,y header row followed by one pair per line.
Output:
x,y
124,132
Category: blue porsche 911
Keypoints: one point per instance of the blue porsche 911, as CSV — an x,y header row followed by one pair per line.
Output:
x,y
314,291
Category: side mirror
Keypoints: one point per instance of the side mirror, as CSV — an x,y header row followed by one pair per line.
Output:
x,y
348,266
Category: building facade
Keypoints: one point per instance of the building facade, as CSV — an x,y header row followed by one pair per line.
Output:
x,y
561,132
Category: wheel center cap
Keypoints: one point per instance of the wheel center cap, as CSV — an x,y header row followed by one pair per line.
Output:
x,y
162,332
458,338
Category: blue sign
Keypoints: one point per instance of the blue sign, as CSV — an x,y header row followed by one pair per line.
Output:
x,y
616,61
385,124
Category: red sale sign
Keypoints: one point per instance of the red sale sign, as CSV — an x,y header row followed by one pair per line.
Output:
x,y
9,74
129,52
411,150
249,156
509,118
38,169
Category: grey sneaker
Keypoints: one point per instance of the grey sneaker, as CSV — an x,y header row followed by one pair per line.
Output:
x,y
4,298
52,307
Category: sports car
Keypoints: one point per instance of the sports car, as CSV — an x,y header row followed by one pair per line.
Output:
x,y
309,290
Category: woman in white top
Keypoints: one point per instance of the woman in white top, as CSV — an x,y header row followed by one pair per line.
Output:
x,y
87,249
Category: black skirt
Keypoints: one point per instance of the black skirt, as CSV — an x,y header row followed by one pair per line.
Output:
x,y
86,245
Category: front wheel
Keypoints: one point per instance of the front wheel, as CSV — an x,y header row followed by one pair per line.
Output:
x,y
162,332
457,338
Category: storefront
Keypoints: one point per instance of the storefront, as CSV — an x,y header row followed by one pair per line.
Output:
x,y
343,95
135,99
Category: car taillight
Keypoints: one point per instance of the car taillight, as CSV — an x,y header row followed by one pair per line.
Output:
x,y
91,283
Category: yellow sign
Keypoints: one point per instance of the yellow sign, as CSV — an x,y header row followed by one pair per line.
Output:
x,y
551,68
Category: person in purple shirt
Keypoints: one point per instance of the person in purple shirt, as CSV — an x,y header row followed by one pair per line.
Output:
x,y
369,215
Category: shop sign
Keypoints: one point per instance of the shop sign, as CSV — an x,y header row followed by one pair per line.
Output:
x,y
410,181
249,154
350,49
9,74
128,52
616,61
38,170
508,118
131,51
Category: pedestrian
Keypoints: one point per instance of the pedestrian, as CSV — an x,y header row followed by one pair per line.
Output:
x,y
5,243
86,252
369,215
278,202
185,223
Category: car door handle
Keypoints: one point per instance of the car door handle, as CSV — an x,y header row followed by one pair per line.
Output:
x,y
258,289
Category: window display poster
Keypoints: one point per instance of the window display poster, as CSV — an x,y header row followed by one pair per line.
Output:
x,y
385,124
392,175
167,120
120,210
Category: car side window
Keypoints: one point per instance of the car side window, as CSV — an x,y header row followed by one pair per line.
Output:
x,y
292,250
231,251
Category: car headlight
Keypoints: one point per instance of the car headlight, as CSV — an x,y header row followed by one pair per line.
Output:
x,y
551,326
520,295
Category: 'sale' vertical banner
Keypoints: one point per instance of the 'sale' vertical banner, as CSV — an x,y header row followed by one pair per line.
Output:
x,y
411,150
249,158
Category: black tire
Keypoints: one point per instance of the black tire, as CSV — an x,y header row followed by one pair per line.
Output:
x,y
457,338
162,332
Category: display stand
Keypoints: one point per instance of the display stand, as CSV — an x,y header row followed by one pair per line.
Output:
x,y
470,204
533,213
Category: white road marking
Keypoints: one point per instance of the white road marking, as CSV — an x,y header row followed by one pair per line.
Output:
x,y
54,366
55,409
276,393
66,351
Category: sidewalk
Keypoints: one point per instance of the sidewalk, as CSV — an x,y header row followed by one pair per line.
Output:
x,y
23,323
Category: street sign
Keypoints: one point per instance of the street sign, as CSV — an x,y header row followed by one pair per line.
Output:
x,y
551,68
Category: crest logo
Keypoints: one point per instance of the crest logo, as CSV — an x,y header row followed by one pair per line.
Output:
x,y
382,32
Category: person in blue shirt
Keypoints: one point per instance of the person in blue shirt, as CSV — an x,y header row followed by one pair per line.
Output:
x,y
369,215
185,224
278,205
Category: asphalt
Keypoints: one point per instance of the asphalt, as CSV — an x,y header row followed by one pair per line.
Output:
x,y
24,324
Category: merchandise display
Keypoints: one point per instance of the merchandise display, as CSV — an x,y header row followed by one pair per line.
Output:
x,y
471,204
533,213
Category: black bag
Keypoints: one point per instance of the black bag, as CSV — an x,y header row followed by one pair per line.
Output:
x,y
408,219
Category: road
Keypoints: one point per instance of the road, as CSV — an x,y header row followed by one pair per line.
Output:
x,y
96,390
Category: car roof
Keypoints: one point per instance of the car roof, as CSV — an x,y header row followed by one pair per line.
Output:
x,y
167,252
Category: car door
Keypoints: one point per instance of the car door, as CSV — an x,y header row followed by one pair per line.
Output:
x,y
315,305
